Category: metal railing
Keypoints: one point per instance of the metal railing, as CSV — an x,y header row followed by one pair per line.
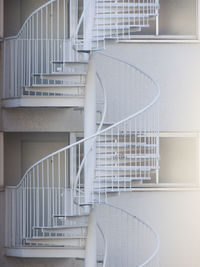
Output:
x,y
130,240
127,151
46,182
41,42
103,19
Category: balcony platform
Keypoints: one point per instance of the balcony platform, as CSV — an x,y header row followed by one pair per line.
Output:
x,y
45,252
44,101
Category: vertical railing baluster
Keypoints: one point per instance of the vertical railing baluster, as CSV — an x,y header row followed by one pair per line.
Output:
x,y
48,195
34,199
38,198
42,192
59,192
42,42
30,204
65,180
53,185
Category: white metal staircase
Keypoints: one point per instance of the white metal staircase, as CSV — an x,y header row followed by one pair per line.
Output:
x,y
45,216
103,20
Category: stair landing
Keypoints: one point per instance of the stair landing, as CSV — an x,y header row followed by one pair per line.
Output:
x,y
46,252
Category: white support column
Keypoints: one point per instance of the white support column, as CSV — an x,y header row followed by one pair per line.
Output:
x,y
88,23
157,25
89,168
90,129
157,22
1,160
91,249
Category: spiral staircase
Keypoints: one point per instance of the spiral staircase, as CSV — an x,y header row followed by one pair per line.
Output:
x,y
46,215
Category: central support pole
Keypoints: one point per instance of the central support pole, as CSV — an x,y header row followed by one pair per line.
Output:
x,y
91,246
90,162
89,6
90,129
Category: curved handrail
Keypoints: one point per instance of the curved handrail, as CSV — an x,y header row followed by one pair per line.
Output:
x,y
156,250
105,244
28,18
99,129
108,128
81,19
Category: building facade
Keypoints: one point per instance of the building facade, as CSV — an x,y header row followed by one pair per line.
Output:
x,y
32,127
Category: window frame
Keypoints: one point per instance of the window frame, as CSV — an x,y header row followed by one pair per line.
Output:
x,y
169,38
196,183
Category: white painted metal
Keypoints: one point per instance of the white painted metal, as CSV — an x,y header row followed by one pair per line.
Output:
x,y
42,209
132,234
90,129
91,245
34,49
113,20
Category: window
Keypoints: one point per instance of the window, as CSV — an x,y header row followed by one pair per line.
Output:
x,y
177,19
178,160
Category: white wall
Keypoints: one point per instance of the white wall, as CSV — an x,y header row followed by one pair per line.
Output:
x,y
45,119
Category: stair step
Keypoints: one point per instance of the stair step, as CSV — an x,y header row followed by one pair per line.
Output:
x,y
70,215
113,3
69,62
117,17
125,149
112,190
122,148
122,162
99,259
82,204
56,237
127,134
111,27
70,89
121,151
120,11
53,86
71,66
120,179
125,156
101,35
122,144
59,74
73,241
70,77
124,168
57,228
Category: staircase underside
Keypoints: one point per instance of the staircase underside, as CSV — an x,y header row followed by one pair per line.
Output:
x,y
44,101
45,252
